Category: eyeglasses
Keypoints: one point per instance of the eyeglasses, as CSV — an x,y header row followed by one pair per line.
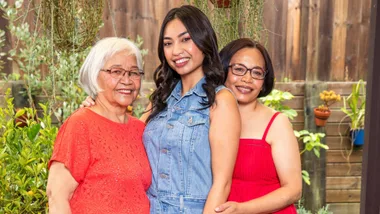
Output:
x,y
240,70
119,73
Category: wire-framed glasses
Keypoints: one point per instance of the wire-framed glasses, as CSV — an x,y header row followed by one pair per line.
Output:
x,y
119,73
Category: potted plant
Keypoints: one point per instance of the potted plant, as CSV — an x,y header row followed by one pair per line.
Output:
x,y
354,108
322,112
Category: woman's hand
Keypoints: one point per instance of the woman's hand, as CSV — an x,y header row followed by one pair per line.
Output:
x,y
88,102
229,207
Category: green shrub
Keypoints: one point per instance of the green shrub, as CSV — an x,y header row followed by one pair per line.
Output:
x,y
24,154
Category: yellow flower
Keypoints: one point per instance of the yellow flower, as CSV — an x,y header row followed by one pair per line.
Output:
x,y
30,193
130,108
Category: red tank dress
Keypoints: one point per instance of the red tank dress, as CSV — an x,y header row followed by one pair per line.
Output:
x,y
255,174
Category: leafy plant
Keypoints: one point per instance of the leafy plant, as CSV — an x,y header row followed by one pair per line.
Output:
x,y
24,153
301,209
354,106
274,100
312,141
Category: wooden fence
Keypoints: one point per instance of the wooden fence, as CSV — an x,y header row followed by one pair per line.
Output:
x,y
326,37
343,175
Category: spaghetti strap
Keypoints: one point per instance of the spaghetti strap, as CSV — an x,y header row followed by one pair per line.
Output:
x,y
269,125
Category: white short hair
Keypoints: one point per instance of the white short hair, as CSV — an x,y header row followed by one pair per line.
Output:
x,y
99,54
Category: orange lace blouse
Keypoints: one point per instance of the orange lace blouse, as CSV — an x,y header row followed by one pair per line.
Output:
x,y
108,161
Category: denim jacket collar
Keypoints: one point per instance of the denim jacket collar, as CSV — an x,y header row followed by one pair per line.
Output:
x,y
197,89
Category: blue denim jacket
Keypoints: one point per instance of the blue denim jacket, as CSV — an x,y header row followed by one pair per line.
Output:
x,y
177,144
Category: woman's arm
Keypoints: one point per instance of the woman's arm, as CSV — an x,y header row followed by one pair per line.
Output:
x,y
286,158
60,188
224,141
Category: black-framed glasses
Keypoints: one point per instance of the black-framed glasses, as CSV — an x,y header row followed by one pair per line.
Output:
x,y
240,70
119,73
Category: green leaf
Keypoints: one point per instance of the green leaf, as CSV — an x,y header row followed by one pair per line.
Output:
x,y
29,169
316,152
297,134
309,147
287,96
306,139
33,131
304,132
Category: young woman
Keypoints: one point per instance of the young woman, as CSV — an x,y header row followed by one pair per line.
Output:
x,y
99,164
267,174
193,122
193,128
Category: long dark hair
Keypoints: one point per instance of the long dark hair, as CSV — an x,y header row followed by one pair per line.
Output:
x,y
230,50
203,35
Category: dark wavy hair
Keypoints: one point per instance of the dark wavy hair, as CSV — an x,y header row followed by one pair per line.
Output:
x,y
230,50
204,37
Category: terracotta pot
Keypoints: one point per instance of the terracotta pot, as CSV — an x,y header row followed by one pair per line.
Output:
x,y
222,3
22,120
321,117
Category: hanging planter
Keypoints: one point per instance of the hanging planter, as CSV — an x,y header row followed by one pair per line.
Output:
x,y
321,117
322,112
357,137
222,3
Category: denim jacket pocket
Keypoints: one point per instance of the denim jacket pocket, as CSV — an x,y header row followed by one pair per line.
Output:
x,y
193,119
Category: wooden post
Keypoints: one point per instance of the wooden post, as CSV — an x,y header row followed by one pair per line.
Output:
x,y
314,195
371,168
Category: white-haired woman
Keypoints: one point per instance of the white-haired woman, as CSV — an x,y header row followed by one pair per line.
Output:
x,y
99,164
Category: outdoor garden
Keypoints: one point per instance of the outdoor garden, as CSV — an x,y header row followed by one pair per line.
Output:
x,y
319,50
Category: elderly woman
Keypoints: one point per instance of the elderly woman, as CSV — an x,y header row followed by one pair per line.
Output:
x,y
99,164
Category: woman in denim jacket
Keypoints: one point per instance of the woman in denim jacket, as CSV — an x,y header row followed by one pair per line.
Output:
x,y
193,122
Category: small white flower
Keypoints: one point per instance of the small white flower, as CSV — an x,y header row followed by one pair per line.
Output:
x,y
18,3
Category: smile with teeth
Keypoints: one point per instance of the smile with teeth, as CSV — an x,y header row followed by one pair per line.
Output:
x,y
243,89
125,91
181,60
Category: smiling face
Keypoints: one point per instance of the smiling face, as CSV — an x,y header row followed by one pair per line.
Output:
x,y
119,92
180,51
246,88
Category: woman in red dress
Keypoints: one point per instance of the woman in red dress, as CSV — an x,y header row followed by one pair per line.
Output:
x,y
267,175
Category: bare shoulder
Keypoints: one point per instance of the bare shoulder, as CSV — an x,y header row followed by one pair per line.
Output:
x,y
281,120
224,102
281,130
225,96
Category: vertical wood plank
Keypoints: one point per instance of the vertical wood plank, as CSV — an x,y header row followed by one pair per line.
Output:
x,y
312,41
275,16
305,4
339,41
293,40
325,35
353,32
363,40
